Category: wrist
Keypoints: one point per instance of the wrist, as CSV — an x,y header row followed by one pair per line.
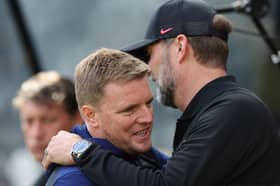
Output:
x,y
81,149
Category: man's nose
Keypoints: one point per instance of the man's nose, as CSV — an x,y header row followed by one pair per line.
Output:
x,y
146,115
37,129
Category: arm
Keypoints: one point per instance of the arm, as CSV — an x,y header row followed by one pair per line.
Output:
x,y
222,143
210,155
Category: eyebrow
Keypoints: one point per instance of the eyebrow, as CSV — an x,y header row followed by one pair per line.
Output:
x,y
150,100
132,106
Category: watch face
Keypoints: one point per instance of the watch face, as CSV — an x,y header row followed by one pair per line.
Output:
x,y
80,146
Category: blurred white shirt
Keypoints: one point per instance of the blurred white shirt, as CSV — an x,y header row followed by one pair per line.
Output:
x,y
21,168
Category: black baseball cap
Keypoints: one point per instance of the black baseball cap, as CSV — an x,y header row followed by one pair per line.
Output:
x,y
189,17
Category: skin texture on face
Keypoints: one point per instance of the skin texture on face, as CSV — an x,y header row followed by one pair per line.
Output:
x,y
39,122
155,53
166,84
162,73
126,115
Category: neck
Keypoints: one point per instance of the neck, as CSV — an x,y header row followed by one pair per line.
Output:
x,y
94,132
192,81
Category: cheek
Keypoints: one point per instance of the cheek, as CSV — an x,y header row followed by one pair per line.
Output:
x,y
155,65
31,133
61,123
53,128
154,62
25,129
120,129
126,124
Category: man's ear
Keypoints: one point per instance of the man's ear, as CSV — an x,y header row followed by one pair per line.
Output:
x,y
89,114
182,47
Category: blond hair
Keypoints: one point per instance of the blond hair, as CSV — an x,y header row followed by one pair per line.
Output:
x,y
47,87
101,67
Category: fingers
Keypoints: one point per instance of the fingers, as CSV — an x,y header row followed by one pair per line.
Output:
x,y
59,148
45,153
45,162
47,158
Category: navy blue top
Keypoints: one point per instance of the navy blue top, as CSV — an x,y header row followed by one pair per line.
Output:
x,y
73,176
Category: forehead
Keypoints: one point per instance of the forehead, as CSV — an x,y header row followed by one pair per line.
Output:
x,y
136,90
34,107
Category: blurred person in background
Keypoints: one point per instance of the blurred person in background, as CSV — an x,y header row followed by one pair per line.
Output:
x,y
226,135
46,104
115,101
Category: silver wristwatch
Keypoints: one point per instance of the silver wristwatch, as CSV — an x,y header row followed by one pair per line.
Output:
x,y
79,148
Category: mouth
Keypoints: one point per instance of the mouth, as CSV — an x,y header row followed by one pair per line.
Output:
x,y
145,133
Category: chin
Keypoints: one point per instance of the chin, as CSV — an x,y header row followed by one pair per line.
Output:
x,y
144,148
37,155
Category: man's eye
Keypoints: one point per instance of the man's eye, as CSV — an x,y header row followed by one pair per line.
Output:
x,y
28,121
49,119
150,103
129,111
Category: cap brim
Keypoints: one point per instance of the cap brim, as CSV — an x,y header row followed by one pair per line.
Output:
x,y
139,49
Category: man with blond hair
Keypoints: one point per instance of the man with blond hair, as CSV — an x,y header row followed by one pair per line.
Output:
x,y
46,104
115,101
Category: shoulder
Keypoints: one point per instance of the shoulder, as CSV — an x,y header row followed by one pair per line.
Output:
x,y
236,105
70,176
238,112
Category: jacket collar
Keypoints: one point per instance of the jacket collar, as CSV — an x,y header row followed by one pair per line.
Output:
x,y
202,98
206,94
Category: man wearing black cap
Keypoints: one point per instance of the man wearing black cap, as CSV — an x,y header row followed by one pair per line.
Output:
x,y
225,136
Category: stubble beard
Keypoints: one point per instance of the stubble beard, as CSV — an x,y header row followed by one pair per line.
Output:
x,y
165,89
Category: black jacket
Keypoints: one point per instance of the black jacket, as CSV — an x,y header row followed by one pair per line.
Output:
x,y
226,136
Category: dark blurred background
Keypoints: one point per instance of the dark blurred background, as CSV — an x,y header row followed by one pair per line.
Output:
x,y
63,32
